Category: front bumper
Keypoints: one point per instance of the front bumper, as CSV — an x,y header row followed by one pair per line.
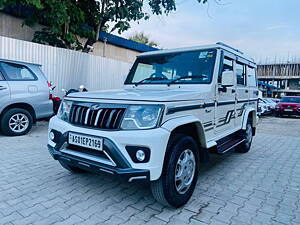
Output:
x,y
115,144
129,174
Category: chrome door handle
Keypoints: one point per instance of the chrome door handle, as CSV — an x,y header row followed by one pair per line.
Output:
x,y
2,88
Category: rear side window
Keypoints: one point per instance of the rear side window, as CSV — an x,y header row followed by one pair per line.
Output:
x,y
17,72
251,77
241,73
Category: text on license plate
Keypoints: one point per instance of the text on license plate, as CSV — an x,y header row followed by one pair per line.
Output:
x,y
288,110
86,141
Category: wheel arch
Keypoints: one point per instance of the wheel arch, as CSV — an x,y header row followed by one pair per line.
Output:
x,y
188,125
24,106
250,115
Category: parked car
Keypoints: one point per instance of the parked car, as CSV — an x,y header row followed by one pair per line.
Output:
x,y
289,105
24,96
271,103
165,121
263,108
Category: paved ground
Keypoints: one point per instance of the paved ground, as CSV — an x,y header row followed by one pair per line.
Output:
x,y
261,187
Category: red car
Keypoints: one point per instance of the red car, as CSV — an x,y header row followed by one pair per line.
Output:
x,y
289,105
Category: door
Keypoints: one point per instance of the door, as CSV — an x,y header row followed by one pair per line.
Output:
x,y
4,92
242,91
22,81
252,85
225,109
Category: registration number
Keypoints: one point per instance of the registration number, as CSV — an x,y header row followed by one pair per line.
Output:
x,y
86,141
288,110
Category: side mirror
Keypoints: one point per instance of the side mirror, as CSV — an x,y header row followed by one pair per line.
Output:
x,y
227,80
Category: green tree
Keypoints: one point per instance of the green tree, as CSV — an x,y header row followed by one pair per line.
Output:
x,y
142,38
66,20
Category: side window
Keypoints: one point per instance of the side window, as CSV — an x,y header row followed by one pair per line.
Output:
x,y
1,76
251,76
227,66
17,72
241,73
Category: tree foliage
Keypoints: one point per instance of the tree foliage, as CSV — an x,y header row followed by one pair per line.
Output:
x,y
66,20
142,38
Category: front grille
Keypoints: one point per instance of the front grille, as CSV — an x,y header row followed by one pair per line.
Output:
x,y
103,118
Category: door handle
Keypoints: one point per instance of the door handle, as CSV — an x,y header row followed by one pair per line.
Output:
x,y
2,88
232,91
246,91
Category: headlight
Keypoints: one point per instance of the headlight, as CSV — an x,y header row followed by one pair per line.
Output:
x,y
64,110
141,117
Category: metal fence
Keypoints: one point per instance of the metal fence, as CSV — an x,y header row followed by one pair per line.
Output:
x,y
67,68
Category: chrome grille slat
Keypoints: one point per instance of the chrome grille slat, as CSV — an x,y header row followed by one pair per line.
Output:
x,y
101,118
87,116
97,117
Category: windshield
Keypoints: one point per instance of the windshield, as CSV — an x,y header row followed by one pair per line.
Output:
x,y
291,99
195,67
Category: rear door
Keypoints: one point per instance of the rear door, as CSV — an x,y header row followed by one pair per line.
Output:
x,y
242,91
22,81
225,110
4,92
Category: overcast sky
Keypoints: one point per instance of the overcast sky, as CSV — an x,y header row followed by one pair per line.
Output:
x,y
262,28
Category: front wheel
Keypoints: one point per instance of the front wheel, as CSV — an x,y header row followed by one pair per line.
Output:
x,y
180,172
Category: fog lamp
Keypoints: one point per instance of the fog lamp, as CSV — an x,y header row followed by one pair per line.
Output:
x,y
140,155
51,136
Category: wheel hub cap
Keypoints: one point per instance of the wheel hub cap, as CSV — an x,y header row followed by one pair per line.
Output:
x,y
18,122
185,171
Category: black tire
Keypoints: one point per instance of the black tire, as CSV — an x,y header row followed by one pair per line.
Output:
x,y
8,117
248,136
72,169
164,189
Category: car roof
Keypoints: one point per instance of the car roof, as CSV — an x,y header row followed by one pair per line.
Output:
x,y
213,46
19,62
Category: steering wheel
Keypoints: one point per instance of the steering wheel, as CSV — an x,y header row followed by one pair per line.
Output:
x,y
159,76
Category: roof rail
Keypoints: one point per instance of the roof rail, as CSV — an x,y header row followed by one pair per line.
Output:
x,y
221,43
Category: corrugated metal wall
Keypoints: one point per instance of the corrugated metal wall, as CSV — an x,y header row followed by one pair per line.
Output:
x,y
67,68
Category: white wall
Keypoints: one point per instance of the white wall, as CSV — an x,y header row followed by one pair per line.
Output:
x,y
67,68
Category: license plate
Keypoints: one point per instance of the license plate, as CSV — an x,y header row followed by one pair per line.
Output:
x,y
86,141
288,110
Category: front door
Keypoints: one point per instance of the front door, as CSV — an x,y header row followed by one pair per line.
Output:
x,y
225,111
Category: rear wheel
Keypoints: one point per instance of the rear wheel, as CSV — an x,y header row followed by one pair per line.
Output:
x,y
247,135
180,173
72,169
15,122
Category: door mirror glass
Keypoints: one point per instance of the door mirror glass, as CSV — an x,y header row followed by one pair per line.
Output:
x,y
227,79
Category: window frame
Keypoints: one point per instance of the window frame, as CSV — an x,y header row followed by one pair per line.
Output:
x,y
255,76
7,78
223,56
244,74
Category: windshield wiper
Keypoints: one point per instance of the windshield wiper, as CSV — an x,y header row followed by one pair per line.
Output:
x,y
185,77
150,79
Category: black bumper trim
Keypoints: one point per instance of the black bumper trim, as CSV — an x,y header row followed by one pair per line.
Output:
x,y
125,173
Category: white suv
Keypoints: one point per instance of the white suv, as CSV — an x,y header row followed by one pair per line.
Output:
x,y
176,107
